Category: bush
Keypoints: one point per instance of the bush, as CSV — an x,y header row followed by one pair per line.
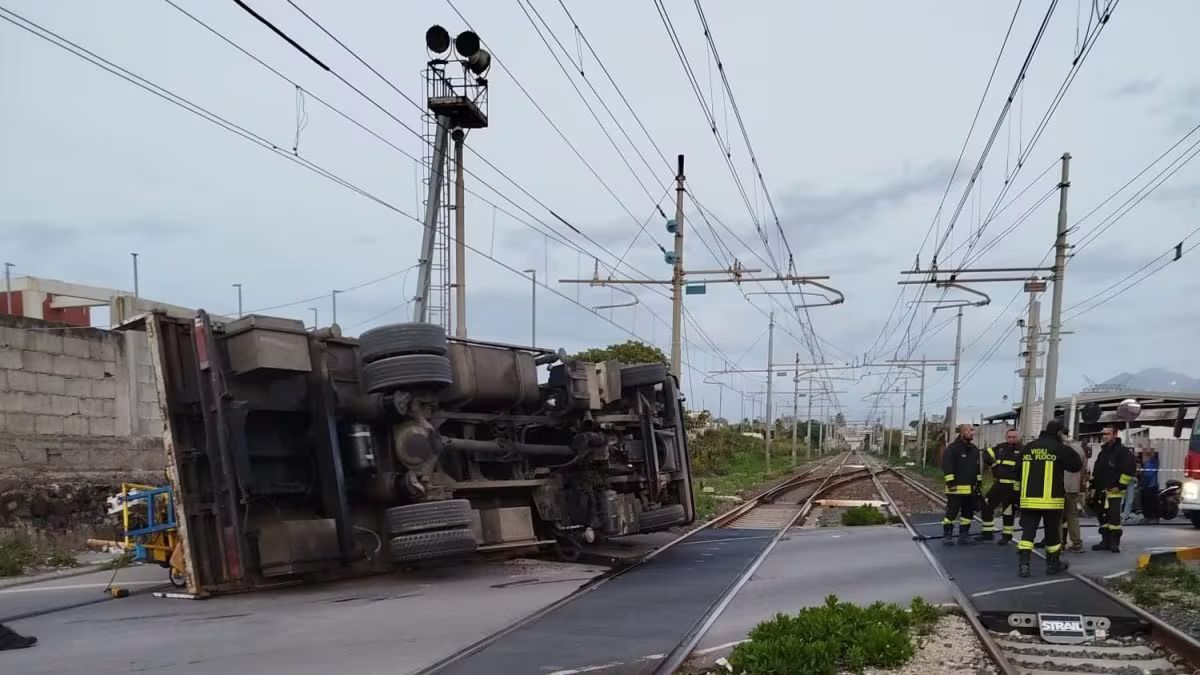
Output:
x,y
15,555
863,515
834,636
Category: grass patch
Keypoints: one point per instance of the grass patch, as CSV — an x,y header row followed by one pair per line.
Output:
x,y
1160,584
19,553
733,464
863,515
836,636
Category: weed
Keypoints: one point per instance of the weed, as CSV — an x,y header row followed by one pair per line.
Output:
x,y
729,463
1158,584
61,558
863,515
120,561
16,553
835,636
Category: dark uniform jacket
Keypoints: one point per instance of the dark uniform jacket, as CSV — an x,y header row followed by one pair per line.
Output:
x,y
1043,462
1004,459
1115,469
960,463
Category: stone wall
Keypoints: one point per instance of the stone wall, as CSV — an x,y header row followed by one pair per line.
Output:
x,y
76,401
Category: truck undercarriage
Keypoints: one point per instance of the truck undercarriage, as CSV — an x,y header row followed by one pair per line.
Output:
x,y
305,454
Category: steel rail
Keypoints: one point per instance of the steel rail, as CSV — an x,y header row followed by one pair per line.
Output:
x,y
717,521
1169,636
964,603
679,655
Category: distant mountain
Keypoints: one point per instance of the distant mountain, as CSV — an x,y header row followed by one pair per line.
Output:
x,y
1155,379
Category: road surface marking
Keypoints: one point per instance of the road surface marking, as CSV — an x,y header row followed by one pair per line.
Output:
x,y
1020,588
75,587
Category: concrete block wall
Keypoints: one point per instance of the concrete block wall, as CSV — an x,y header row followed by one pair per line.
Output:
x,y
76,399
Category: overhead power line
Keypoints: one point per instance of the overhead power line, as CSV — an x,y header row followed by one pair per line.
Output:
x,y
94,59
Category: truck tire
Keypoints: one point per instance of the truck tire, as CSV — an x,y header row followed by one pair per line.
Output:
x,y
401,338
430,545
442,515
642,375
661,519
409,370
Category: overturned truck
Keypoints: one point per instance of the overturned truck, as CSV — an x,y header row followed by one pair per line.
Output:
x,y
301,454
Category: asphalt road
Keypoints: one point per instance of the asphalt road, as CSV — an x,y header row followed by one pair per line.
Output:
x,y
19,601
386,624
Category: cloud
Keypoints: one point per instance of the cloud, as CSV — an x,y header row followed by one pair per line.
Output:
x,y
818,214
1137,87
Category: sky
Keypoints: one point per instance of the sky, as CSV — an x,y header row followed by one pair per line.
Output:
x,y
856,113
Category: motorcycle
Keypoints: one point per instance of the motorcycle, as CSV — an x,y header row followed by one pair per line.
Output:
x,y
1168,500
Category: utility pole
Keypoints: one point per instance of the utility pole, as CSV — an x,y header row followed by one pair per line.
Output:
x,y
333,295
957,360
1029,372
677,288
795,407
533,320
316,317
1050,390
808,431
8,287
679,275
460,236
768,426
921,415
135,275
239,289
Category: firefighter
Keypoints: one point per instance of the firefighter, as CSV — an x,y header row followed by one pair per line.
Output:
x,y
1043,462
960,464
1113,473
1003,495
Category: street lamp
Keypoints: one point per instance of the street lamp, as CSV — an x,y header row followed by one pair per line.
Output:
x,y
239,287
533,320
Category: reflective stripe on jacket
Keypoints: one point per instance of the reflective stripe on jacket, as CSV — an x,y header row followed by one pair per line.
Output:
x,y
1004,462
1115,469
960,464
1043,462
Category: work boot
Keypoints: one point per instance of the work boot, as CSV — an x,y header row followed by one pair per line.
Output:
x,y
1104,542
10,639
1114,541
1055,563
1023,563
1004,540
1077,547
947,535
987,536
964,536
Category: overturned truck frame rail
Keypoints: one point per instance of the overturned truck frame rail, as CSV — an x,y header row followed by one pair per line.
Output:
x,y
303,455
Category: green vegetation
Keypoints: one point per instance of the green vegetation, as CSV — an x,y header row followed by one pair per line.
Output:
x,y
629,352
863,515
120,561
731,464
18,553
1173,584
833,637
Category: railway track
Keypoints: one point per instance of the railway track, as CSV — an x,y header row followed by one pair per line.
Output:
x,y
671,596
1014,652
